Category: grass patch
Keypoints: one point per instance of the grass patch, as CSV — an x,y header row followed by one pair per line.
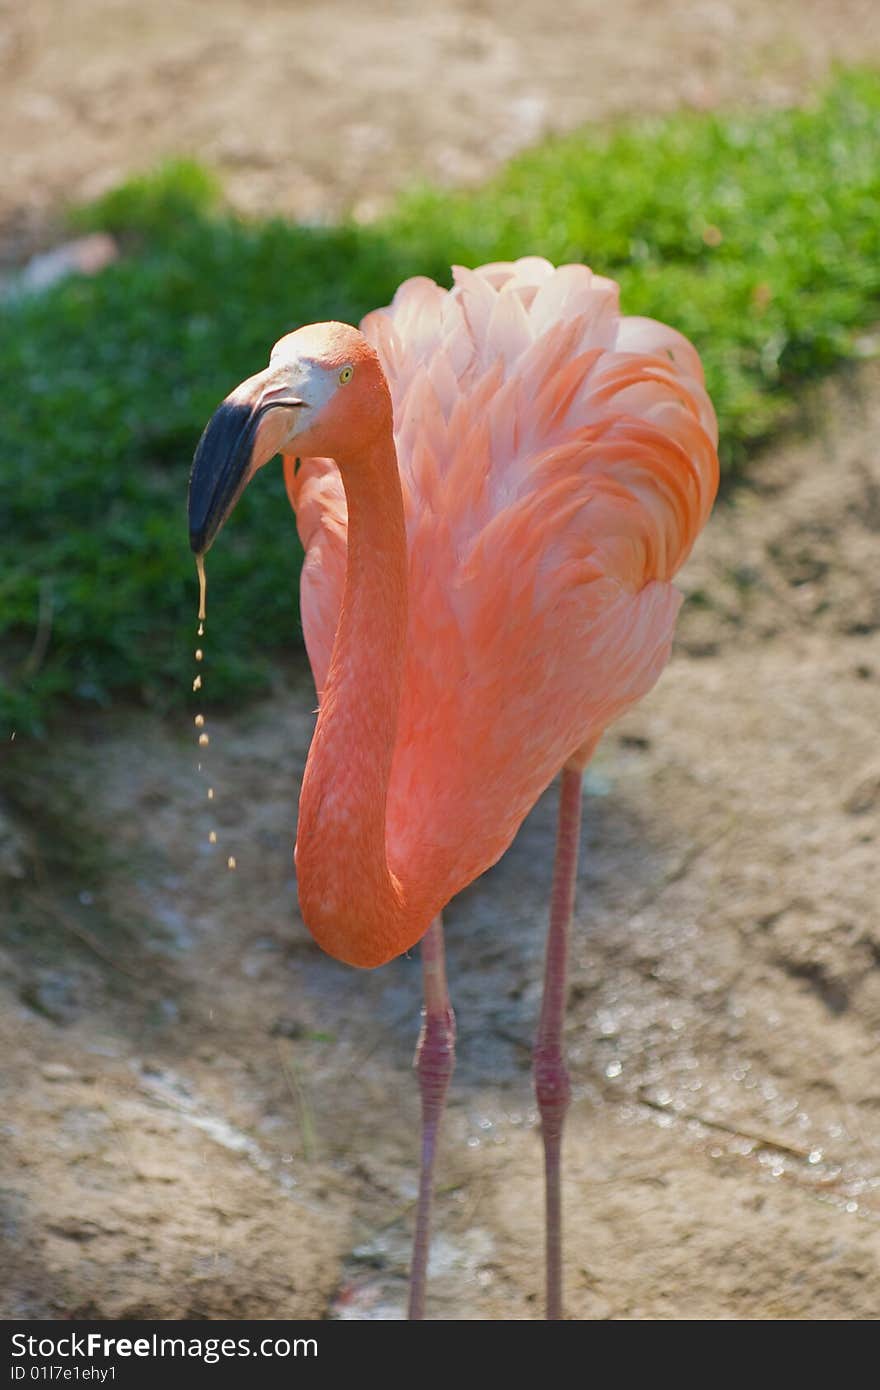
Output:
x,y
758,235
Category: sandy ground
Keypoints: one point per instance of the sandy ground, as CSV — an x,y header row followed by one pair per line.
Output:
x,y
312,109
202,1115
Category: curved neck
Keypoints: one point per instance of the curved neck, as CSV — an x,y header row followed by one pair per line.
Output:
x,y
351,902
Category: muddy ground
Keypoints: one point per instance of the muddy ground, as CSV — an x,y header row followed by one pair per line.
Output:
x,y
202,1115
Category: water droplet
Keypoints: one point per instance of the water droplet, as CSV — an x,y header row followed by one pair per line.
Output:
x,y
200,567
230,863
199,720
199,653
614,1069
473,1142
287,1158
204,740
851,1207
210,793
212,837
201,631
743,1146
815,1156
197,683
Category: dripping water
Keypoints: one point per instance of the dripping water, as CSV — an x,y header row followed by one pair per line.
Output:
x,y
204,738
203,589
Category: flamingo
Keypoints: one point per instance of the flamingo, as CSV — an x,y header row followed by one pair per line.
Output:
x,y
494,486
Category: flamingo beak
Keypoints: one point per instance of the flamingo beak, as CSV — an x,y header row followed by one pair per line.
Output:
x,y
247,429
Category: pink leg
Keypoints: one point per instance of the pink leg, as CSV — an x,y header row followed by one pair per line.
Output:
x,y
434,1063
551,1078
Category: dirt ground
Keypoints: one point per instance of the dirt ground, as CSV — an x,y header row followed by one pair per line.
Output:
x,y
202,1115
313,109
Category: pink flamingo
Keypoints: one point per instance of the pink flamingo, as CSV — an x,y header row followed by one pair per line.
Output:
x,y
494,486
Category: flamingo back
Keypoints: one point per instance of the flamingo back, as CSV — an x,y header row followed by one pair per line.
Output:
x,y
557,462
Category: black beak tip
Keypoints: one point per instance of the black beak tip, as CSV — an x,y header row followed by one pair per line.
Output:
x,y
201,532
217,473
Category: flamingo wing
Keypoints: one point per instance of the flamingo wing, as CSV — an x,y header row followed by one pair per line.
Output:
x,y
557,463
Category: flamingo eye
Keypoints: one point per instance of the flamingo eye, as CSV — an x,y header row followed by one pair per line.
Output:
x,y
346,375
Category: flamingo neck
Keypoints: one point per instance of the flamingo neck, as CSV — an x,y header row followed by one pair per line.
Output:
x,y
351,902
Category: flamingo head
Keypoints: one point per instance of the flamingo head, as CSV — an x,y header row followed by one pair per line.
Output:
x,y
323,394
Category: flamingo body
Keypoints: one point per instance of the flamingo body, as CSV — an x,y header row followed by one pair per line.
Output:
x,y
495,487
556,463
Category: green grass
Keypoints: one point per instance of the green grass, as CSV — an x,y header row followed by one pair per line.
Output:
x,y
758,235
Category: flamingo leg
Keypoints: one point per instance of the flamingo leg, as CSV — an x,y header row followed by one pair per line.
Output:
x,y
551,1077
434,1063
